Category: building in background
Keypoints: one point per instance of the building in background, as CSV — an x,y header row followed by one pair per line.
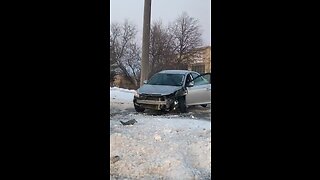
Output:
x,y
202,63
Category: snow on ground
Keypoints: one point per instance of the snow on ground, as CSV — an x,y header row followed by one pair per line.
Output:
x,y
170,146
120,100
119,94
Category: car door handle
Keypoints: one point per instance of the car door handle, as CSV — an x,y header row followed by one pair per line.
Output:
x,y
208,89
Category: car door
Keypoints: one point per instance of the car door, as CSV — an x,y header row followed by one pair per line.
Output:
x,y
200,92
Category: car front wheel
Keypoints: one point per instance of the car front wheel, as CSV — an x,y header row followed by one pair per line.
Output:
x,y
182,104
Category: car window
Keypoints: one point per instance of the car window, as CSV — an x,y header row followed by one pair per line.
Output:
x,y
166,79
200,80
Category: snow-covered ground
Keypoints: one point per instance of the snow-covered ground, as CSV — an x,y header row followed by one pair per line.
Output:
x,y
170,146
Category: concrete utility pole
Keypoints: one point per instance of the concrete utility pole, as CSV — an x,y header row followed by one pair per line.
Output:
x,y
145,41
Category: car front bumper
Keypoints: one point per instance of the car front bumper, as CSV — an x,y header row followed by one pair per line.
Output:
x,y
160,103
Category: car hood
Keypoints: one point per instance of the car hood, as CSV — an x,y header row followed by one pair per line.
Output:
x,y
158,89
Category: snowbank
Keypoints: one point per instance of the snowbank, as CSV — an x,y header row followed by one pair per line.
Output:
x,y
119,94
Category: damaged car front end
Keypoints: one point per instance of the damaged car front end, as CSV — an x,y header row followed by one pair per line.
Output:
x,y
161,92
162,102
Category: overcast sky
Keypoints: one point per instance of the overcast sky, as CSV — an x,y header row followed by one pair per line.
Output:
x,y
166,10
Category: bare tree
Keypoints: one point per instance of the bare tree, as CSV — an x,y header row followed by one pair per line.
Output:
x,y
175,46
113,64
171,47
124,51
186,39
132,62
161,47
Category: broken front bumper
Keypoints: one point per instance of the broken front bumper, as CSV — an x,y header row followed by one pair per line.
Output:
x,y
155,103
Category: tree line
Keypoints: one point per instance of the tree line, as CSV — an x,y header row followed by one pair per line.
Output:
x,y
172,46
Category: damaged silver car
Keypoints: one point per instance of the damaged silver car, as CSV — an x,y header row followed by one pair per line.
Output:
x,y
173,89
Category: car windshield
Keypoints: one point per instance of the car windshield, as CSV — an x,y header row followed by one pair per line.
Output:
x,y
166,79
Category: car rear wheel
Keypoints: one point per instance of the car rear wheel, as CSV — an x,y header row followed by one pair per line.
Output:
x,y
204,105
182,104
138,108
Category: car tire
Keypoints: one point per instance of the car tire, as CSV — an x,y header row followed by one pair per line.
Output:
x,y
204,105
139,109
182,104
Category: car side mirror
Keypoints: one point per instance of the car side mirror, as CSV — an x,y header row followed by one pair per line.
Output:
x,y
190,84
145,81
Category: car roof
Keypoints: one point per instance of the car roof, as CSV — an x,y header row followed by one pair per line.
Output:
x,y
176,71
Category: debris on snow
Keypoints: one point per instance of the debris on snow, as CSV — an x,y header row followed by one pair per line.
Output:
x,y
114,159
130,122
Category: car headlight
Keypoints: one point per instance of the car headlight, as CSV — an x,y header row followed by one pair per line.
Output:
x,y
136,94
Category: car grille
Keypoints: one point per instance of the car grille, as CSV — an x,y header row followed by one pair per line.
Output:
x,y
153,98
